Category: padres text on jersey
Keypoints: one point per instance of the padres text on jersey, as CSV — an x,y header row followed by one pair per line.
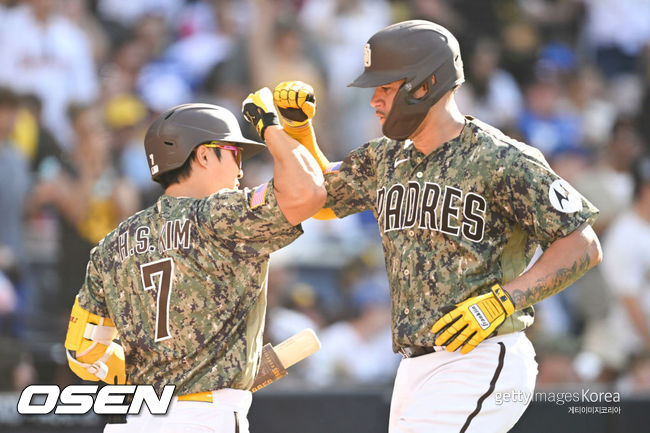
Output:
x,y
432,207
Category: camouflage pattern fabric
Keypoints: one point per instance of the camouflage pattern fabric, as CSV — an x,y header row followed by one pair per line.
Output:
x,y
185,283
454,222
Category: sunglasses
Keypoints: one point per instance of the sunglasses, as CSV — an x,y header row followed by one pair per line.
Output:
x,y
237,152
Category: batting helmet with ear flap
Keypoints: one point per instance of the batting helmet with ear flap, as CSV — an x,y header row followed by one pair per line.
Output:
x,y
413,51
176,132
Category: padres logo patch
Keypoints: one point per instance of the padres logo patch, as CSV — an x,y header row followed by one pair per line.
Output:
x,y
563,197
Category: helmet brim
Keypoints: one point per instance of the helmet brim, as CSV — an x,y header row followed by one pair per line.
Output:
x,y
376,78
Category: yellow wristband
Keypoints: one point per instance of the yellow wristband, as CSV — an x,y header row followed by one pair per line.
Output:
x,y
304,134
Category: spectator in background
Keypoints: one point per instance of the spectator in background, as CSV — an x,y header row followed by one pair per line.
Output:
x,y
608,182
625,332
277,50
120,73
90,197
162,82
490,93
41,237
520,44
543,125
208,31
15,361
644,115
122,13
341,27
8,301
34,140
78,12
14,179
294,308
126,117
636,379
154,30
617,31
448,15
359,350
616,34
585,98
15,184
44,53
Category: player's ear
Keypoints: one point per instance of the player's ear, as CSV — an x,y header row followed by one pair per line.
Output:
x,y
201,156
424,88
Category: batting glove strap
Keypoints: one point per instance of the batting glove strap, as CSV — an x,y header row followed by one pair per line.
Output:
x,y
258,109
504,298
296,102
473,320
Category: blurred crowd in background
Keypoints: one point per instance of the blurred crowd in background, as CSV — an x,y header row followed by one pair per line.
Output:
x,y
80,81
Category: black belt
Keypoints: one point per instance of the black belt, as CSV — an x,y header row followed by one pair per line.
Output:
x,y
415,351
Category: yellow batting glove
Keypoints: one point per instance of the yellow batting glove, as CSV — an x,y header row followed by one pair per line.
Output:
x,y
297,105
258,109
473,320
296,102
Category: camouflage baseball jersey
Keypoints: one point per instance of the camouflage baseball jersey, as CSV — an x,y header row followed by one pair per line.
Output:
x,y
185,283
455,221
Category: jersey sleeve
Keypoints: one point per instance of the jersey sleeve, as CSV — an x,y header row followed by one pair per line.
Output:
x,y
351,183
251,219
530,193
91,295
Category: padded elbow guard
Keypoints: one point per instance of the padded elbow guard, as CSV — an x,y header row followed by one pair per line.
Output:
x,y
92,354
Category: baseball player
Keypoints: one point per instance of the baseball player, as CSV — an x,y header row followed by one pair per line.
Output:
x,y
183,282
462,209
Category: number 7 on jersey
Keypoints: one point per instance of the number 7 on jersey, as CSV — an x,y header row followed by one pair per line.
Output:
x,y
164,270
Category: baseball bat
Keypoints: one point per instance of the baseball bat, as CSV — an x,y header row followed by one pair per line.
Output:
x,y
298,347
275,360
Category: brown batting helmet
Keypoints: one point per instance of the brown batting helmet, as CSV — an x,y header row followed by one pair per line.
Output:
x,y
173,136
413,51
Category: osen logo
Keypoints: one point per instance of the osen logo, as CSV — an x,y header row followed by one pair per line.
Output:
x,y
366,55
563,197
81,399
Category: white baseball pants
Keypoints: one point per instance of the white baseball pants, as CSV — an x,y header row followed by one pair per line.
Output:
x,y
447,392
226,414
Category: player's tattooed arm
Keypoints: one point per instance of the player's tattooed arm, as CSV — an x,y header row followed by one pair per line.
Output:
x,y
563,263
549,285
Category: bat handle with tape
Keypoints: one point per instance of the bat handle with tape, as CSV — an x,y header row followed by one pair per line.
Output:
x,y
276,360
